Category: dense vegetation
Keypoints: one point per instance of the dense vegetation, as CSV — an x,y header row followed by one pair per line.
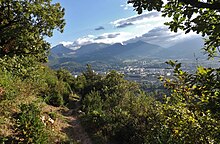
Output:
x,y
114,110
118,111
26,85
24,113
189,114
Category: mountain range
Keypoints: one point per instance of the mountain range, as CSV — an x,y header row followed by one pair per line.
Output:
x,y
189,49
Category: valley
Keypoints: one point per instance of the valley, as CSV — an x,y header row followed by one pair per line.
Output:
x,y
139,61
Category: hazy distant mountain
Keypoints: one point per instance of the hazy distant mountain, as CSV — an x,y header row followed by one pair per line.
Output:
x,y
60,51
103,54
132,50
90,48
141,49
190,48
112,50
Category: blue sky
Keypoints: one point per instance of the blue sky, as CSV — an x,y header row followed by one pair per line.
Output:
x,y
110,21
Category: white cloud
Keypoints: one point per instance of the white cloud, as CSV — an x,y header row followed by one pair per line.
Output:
x,y
162,36
121,23
108,38
148,27
114,37
66,43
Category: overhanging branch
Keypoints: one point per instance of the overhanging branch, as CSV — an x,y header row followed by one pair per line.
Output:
x,y
197,4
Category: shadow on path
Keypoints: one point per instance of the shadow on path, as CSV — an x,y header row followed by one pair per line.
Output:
x,y
75,131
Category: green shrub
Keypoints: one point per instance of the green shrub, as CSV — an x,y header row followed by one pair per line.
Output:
x,y
8,86
92,102
6,140
65,76
52,87
55,99
192,109
52,115
29,126
117,111
22,66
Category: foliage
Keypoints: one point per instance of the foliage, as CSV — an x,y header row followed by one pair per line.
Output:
x,y
192,109
8,88
65,76
200,89
55,99
53,86
198,16
24,24
30,128
21,66
116,110
16,90
57,93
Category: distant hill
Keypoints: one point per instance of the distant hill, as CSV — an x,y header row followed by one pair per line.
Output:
x,y
189,49
138,49
60,51
141,49
90,48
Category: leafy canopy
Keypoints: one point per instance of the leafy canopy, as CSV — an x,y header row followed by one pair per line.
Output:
x,y
202,17
25,23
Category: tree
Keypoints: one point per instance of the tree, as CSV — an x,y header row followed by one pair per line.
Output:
x,y
25,23
198,16
191,111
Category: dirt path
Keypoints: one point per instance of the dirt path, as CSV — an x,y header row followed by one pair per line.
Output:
x,y
75,131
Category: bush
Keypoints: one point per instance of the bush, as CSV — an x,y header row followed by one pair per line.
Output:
x,y
192,109
52,87
117,111
29,127
22,66
55,99
8,88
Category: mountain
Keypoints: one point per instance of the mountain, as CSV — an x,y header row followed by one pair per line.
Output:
x,y
141,49
90,48
112,50
189,48
135,50
99,54
60,51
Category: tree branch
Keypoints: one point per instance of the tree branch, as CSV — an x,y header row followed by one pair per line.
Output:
x,y
197,4
10,23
